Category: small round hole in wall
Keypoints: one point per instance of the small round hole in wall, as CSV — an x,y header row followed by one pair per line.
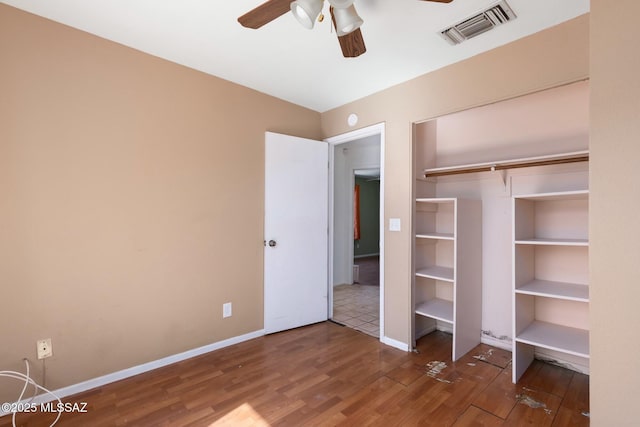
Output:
x,y
352,120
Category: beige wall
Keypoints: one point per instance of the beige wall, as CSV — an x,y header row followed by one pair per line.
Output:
x,y
550,58
615,203
131,202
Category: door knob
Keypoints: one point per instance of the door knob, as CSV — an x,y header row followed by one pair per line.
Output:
x,y
272,243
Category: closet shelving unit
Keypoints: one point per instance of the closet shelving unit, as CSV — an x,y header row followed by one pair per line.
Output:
x,y
448,269
550,266
550,276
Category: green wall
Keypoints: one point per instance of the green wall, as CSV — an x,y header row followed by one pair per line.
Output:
x,y
369,218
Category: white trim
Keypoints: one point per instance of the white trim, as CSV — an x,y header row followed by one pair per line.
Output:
x,y
495,342
552,358
426,331
377,129
366,255
352,183
357,134
382,227
330,229
139,369
395,343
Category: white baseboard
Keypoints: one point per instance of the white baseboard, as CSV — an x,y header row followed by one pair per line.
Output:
x,y
425,331
366,255
139,369
563,360
495,342
576,363
395,343
445,327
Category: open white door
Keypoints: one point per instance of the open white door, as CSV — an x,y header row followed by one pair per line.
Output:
x,y
296,232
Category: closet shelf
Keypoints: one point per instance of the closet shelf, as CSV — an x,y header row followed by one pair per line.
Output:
x,y
556,337
438,309
553,159
436,272
553,242
440,236
559,290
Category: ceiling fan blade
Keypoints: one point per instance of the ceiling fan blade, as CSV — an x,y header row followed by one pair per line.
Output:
x,y
352,44
265,13
440,1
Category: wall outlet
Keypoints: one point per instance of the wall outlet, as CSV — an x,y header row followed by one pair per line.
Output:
x,y
226,309
44,348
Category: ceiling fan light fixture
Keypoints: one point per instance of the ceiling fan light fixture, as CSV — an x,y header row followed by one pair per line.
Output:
x,y
347,20
306,11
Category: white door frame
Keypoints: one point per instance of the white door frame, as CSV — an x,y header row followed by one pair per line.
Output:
x,y
378,129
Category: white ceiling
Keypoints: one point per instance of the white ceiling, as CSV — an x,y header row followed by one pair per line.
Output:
x,y
287,61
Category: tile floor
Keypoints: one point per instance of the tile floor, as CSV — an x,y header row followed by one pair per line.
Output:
x,y
358,307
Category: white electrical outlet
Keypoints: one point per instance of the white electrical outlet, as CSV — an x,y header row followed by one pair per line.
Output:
x,y
44,348
226,309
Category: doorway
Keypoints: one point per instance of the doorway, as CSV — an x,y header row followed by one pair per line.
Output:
x,y
356,158
357,304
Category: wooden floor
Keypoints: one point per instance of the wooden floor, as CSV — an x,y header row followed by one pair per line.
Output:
x,y
326,374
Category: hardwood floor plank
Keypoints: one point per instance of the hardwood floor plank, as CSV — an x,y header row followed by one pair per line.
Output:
x,y
500,396
536,408
574,409
476,417
406,373
371,396
185,418
577,395
190,383
570,417
546,377
492,355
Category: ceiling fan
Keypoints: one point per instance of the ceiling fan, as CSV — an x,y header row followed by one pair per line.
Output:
x,y
343,15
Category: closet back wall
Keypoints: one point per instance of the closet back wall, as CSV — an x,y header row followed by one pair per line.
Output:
x,y
369,242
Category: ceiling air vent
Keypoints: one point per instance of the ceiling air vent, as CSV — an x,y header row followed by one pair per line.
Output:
x,y
495,15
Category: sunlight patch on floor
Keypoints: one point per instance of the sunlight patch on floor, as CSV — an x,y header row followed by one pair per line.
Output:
x,y
243,415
